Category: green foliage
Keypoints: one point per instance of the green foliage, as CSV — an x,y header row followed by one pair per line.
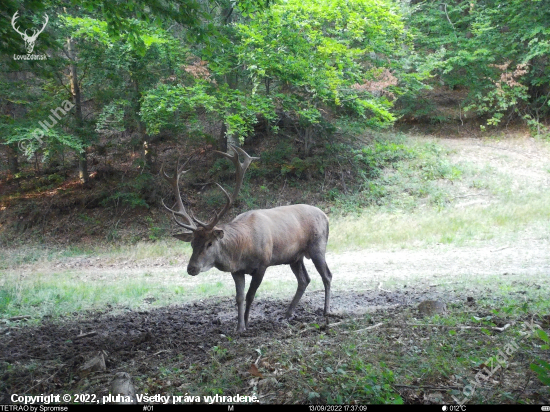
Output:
x,y
132,194
31,140
299,167
379,155
155,232
495,50
111,117
130,199
298,57
317,52
359,381
279,155
541,367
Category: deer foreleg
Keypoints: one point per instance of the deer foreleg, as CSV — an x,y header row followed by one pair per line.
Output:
x,y
238,277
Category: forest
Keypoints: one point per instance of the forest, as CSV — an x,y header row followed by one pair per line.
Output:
x,y
421,129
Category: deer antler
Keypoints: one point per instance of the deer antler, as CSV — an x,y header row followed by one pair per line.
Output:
x,y
240,171
35,35
15,17
180,211
35,32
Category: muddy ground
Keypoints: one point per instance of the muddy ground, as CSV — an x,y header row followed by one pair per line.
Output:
x,y
138,341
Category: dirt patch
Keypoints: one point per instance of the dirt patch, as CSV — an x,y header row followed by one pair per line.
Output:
x,y
137,341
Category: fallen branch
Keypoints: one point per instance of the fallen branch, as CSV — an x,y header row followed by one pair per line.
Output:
x,y
369,328
330,325
461,327
364,329
95,364
427,387
503,328
158,353
85,335
456,387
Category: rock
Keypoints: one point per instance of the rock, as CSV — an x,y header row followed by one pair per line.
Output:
x,y
96,364
432,307
269,383
122,385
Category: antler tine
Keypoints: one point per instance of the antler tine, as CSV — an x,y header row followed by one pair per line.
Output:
x,y
182,224
15,17
179,169
199,222
163,172
37,32
218,216
174,182
247,157
45,23
240,169
174,213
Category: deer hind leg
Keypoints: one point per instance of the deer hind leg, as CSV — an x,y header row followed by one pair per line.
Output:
x,y
324,271
257,278
238,277
303,280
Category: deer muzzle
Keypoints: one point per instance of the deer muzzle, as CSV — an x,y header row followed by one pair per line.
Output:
x,y
193,270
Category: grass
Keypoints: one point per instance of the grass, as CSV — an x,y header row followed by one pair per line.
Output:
x,y
458,226
11,258
60,293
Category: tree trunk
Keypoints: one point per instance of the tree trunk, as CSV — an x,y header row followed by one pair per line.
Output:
x,y
77,100
13,163
308,140
83,168
145,140
222,139
226,14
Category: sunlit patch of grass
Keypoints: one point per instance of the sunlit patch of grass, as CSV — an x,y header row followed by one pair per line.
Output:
x,y
209,289
57,294
450,225
166,248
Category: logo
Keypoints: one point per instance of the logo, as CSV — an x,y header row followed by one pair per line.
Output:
x,y
29,40
545,408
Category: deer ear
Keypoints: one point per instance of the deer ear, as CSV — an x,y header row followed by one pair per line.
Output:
x,y
186,236
218,233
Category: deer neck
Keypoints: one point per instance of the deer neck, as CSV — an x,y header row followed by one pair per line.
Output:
x,y
231,249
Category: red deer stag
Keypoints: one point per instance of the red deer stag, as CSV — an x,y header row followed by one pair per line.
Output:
x,y
254,240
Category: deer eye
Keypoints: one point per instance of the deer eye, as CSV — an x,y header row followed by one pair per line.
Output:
x,y
209,244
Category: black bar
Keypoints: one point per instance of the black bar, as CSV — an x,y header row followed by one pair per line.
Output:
x,y
251,406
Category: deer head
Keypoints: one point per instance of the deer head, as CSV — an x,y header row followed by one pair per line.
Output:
x,y
204,237
29,40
